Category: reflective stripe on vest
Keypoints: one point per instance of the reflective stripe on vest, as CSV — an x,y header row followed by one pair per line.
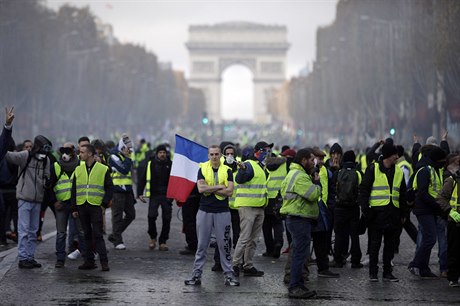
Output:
x,y
90,189
453,199
254,192
380,193
63,187
276,178
210,178
435,182
121,179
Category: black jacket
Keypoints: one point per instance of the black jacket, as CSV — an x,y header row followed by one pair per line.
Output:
x,y
159,177
424,203
387,216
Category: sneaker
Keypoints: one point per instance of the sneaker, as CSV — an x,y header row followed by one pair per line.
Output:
x,y
389,277
217,267
24,264
105,266
237,270
74,255
428,275
301,293
152,244
373,277
87,266
35,264
414,271
231,280
59,264
252,272
454,284
163,247
187,251
194,281
120,246
328,274
357,265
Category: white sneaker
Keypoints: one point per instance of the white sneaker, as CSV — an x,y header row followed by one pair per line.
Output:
x,y
120,246
74,255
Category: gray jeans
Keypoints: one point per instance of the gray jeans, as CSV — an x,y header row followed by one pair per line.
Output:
x,y
251,220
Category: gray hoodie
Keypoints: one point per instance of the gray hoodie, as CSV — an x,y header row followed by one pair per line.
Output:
x,y
31,183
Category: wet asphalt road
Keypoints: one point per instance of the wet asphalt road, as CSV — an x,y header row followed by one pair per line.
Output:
x,y
145,277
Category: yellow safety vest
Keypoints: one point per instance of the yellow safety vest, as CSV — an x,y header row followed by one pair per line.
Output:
x,y
435,182
90,189
363,162
63,187
454,203
121,179
231,200
148,178
254,192
276,178
381,195
324,180
406,164
209,176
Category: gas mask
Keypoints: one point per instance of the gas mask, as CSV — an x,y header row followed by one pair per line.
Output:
x,y
65,157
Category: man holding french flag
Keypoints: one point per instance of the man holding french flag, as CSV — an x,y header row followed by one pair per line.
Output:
x,y
215,184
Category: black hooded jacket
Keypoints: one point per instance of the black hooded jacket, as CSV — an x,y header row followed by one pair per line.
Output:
x,y
425,204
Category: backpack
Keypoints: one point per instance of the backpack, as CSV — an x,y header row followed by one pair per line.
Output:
x,y
347,187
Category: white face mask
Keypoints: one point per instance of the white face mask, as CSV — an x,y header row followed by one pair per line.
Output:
x,y
65,157
229,159
40,156
316,162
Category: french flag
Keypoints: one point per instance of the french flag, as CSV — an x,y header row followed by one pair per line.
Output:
x,y
187,158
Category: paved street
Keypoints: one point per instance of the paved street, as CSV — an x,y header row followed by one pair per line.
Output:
x,y
141,276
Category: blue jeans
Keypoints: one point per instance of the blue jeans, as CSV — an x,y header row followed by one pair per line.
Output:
x,y
28,220
441,234
428,233
62,218
300,229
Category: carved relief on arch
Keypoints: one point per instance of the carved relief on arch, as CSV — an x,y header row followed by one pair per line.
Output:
x,y
250,63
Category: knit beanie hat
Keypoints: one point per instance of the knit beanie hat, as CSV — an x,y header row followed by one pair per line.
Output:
x,y
349,156
336,148
388,150
437,154
161,147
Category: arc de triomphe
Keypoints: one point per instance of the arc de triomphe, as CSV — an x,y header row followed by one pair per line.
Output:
x,y
261,48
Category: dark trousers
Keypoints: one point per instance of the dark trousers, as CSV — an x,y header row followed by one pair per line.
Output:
x,y
122,202
272,229
411,230
91,221
2,219
11,214
166,214
189,211
321,249
346,223
300,229
453,251
375,236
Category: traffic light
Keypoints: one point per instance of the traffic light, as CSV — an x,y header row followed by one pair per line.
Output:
x,y
392,131
204,118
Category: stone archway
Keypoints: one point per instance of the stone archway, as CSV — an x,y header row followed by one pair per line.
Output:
x,y
261,48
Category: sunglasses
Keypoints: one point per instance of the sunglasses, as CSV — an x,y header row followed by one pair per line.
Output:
x,y
63,150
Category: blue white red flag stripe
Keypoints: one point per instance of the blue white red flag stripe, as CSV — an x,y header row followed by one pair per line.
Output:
x,y
187,158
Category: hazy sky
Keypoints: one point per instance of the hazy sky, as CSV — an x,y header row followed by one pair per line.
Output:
x,y
162,26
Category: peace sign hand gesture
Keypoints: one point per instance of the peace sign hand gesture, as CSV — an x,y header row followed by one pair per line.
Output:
x,y
9,115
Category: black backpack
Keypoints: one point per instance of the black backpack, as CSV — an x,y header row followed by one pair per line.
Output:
x,y
347,187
